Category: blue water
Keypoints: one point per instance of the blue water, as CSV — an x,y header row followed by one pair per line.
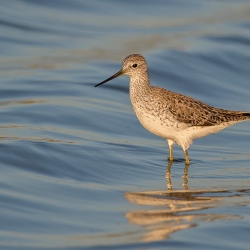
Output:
x,y
78,171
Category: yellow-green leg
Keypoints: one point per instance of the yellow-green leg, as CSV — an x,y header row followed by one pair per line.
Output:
x,y
171,157
170,145
186,157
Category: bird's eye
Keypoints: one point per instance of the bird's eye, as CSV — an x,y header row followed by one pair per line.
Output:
x,y
134,65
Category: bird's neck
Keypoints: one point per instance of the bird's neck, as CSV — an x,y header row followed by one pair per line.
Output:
x,y
139,89
139,83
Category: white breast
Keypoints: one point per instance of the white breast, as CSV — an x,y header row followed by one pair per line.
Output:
x,y
169,128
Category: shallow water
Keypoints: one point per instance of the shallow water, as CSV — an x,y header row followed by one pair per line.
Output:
x,y
77,169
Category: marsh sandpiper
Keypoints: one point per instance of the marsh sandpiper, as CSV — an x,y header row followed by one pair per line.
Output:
x,y
177,118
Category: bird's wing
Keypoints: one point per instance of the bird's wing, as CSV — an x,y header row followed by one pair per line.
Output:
x,y
193,112
190,111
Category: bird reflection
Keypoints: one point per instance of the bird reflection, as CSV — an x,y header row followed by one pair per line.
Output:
x,y
173,211
168,176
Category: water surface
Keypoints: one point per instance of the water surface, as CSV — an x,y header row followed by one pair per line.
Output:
x,y
78,171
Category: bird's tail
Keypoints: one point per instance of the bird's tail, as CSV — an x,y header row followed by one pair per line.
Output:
x,y
240,116
234,116
247,115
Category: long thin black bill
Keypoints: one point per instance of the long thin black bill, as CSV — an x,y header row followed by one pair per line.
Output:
x,y
119,73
